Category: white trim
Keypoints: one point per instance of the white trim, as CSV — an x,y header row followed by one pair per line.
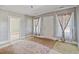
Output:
x,y
27,36
72,42
47,37
9,42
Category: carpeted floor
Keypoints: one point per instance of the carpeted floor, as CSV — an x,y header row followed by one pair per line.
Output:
x,y
66,48
46,42
25,47
35,45
58,46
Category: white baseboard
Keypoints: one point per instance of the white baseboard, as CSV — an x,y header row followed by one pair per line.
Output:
x,y
72,42
9,42
27,36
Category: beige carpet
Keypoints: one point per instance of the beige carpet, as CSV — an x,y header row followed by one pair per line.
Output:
x,y
66,48
58,46
40,46
25,47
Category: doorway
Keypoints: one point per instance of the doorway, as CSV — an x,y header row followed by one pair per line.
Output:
x,y
14,28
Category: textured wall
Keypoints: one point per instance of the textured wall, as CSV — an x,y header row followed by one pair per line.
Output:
x,y
77,13
26,26
47,26
3,28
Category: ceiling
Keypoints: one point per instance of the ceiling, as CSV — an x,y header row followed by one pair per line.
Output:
x,y
34,10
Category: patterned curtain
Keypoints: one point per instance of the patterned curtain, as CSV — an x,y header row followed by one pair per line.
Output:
x,y
64,19
36,26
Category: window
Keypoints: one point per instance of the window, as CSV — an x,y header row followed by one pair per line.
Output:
x,y
36,26
65,22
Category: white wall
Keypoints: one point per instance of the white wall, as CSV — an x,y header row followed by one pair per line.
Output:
x,y
26,26
3,28
47,26
77,14
29,25
5,24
